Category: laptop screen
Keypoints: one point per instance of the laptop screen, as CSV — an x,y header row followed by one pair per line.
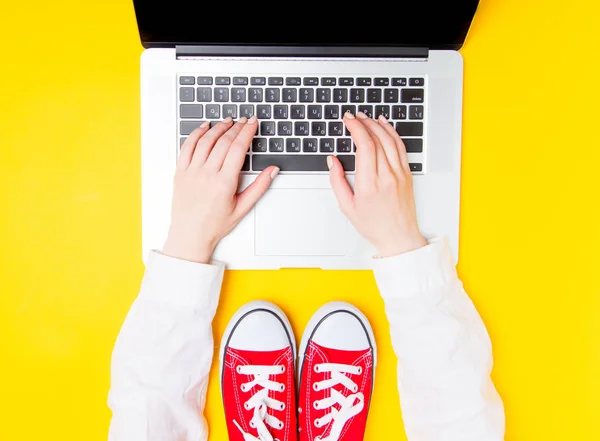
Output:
x,y
425,23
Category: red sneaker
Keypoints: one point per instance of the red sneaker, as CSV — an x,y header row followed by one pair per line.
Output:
x,y
257,359
337,370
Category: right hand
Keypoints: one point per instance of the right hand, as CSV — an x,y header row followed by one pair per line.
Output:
x,y
382,205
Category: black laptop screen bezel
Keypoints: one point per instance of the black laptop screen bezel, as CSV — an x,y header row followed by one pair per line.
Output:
x,y
429,24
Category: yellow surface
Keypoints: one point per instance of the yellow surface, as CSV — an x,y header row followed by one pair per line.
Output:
x,y
70,219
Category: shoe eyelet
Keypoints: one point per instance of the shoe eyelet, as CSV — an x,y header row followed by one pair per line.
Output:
x,y
317,423
317,369
246,406
317,438
282,369
282,388
359,370
355,389
280,426
316,405
243,388
316,387
238,369
282,407
252,424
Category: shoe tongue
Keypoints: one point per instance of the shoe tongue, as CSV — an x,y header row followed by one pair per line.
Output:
x,y
340,356
262,358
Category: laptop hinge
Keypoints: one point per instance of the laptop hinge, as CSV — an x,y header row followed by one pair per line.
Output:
x,y
302,51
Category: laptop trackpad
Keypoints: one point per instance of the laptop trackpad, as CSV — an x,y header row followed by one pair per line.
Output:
x,y
299,223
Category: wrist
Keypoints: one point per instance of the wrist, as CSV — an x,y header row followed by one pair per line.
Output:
x,y
401,245
198,251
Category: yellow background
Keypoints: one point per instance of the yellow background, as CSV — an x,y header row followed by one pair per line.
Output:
x,y
70,219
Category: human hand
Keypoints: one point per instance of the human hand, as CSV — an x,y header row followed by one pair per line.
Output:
x,y
206,206
382,205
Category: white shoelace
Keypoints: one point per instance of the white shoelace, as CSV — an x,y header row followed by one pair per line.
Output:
x,y
261,401
350,406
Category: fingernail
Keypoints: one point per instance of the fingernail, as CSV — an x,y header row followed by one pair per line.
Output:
x,y
205,124
274,173
349,115
383,120
243,120
329,162
361,115
227,120
252,119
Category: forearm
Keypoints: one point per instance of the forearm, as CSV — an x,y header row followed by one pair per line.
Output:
x,y
163,354
443,349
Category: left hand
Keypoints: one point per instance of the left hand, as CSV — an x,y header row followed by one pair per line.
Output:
x,y
206,206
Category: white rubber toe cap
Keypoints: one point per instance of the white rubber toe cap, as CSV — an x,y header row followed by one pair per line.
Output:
x,y
342,330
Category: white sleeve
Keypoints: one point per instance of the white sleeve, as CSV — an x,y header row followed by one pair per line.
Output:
x,y
163,354
443,349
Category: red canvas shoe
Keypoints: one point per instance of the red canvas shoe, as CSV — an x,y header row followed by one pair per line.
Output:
x,y
337,371
257,358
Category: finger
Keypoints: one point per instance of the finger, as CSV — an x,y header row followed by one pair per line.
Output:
x,y
221,148
237,152
382,162
386,142
187,149
207,142
402,155
366,153
250,196
342,190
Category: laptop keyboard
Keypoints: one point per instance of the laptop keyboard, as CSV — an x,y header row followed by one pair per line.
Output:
x,y
300,118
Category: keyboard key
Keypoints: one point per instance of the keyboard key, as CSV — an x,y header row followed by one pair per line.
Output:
x,y
246,110
299,163
255,95
415,167
240,81
419,82
238,95
332,112
382,81
276,145
328,81
221,94
357,95
323,95
311,81
182,140
204,81
374,95
187,127
346,109
213,111
363,81
223,81
382,110
263,112
272,95
307,95
336,129
315,112
413,145
186,94
301,128
258,81
327,145
409,128
398,81
290,95
190,111
318,129
284,128
275,81
415,112
230,110
293,81
367,110
204,94
187,81
309,145
259,145
280,112
246,165
267,128
398,112
344,145
298,112
340,95
346,81
390,95
293,145
413,95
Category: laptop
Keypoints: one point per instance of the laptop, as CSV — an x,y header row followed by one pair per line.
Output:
x,y
299,68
